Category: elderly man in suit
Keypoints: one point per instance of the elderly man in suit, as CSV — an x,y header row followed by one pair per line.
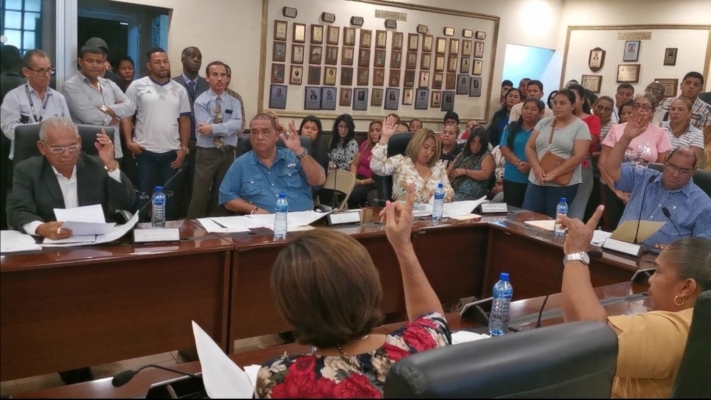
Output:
x,y
65,177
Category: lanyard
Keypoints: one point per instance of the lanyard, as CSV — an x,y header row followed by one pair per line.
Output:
x,y
32,105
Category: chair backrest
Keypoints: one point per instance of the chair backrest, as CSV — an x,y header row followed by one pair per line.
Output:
x,y
340,181
245,146
26,137
384,184
702,178
577,359
692,380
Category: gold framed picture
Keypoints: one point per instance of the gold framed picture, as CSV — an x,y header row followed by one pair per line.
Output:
x,y
329,76
628,73
363,76
397,39
364,58
592,82
297,53
413,41
467,46
448,31
378,76
407,95
334,34
279,52
349,36
670,56
298,33
278,73
346,76
394,78
450,82
315,54
441,45
377,99
467,33
345,98
477,67
381,39
379,61
436,99
347,56
670,86
297,75
425,61
396,59
464,66
478,49
480,35
424,80
437,80
332,55
427,42
280,30
411,61
314,75
439,63
454,46
452,63
316,34
409,80
366,37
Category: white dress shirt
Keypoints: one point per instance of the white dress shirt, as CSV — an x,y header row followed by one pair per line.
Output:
x,y
68,187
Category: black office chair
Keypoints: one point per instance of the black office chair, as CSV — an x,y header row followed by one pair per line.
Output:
x,y
244,146
691,380
702,178
384,184
577,359
26,137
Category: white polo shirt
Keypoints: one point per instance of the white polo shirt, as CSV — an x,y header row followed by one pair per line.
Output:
x,y
158,107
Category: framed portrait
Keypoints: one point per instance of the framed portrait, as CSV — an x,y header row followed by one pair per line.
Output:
x,y
670,86
450,81
316,34
592,82
392,98
312,98
395,59
475,86
407,95
332,55
424,80
437,80
278,71
478,49
360,99
347,56
297,53
378,76
628,73
439,63
480,35
381,39
364,57
315,54
328,17
328,98
421,98
390,24
409,78
314,76
447,101
289,12
596,59
363,76
397,41
346,76
379,58
448,31
277,97
452,63
296,75
427,43
345,98
670,56
467,33
631,52
462,84
464,66
411,61
477,67
441,47
366,38
435,99
279,52
454,46
425,61
349,36
422,29
394,77
376,100
280,30
357,21
298,33
334,34
329,76
467,48
413,41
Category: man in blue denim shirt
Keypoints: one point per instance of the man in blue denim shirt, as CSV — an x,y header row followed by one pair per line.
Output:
x,y
255,179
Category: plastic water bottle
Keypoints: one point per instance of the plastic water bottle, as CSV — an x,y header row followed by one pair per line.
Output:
x,y
158,213
281,208
438,207
499,317
561,209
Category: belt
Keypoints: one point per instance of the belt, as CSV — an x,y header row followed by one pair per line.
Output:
x,y
224,148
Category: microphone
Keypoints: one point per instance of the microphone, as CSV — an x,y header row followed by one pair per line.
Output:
x,y
124,377
182,169
667,214
593,254
639,220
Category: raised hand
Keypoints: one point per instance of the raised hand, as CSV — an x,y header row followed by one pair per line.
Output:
x,y
398,219
105,148
389,126
636,126
291,139
580,234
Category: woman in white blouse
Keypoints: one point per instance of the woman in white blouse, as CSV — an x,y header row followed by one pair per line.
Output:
x,y
343,147
419,165
681,132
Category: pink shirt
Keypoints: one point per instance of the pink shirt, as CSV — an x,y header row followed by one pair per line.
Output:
x,y
364,164
643,149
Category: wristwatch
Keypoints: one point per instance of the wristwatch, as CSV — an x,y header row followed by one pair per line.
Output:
x,y
186,150
103,108
116,165
302,155
581,256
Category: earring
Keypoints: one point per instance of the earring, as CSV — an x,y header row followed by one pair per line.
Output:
x,y
682,301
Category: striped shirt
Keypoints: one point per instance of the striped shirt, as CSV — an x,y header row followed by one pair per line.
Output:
x,y
692,137
689,206
700,112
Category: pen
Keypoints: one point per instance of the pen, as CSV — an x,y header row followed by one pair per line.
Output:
x,y
218,224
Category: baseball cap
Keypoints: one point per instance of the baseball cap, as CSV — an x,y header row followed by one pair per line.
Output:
x,y
97,42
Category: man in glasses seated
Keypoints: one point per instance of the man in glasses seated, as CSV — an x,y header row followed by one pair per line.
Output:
x,y
65,177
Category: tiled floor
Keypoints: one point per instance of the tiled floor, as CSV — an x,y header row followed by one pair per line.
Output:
x,y
108,370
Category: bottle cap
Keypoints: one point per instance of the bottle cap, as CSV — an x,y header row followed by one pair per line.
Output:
x,y
562,199
159,188
282,195
504,276
439,185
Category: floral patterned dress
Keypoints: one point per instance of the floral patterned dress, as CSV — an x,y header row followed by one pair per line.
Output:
x,y
361,376
466,188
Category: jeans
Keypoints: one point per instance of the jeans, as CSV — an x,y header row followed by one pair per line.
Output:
x,y
514,193
545,199
211,165
577,207
153,169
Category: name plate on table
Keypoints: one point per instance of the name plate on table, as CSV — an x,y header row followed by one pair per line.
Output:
x,y
622,247
490,208
154,235
343,218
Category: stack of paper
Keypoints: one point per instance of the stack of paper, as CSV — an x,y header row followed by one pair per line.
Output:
x,y
296,221
548,225
114,233
628,231
14,241
465,336
461,208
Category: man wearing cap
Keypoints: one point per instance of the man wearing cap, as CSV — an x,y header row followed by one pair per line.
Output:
x,y
110,75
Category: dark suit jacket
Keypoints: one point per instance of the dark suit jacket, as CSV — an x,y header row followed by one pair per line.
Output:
x,y
202,86
36,192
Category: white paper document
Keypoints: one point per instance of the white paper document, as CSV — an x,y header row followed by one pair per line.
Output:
x,y
464,336
228,224
88,228
223,379
599,237
83,221
117,232
15,241
294,220
74,239
548,225
459,208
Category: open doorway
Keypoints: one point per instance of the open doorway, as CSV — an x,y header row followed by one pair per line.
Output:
x,y
114,33
533,63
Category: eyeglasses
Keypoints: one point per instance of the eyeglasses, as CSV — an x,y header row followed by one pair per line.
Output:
x,y
645,107
673,168
654,91
60,150
42,71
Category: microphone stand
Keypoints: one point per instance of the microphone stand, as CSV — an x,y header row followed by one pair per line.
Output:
x,y
641,207
335,185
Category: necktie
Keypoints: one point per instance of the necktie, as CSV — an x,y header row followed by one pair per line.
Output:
x,y
217,119
191,94
191,91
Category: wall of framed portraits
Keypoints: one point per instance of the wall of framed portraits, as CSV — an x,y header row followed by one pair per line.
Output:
x,y
417,62
602,57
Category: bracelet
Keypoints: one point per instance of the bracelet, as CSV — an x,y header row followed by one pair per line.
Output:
x,y
116,165
254,210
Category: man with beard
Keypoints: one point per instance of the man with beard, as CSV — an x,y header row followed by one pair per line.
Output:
x,y
162,130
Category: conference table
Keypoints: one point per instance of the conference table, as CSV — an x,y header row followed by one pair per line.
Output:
x,y
623,299
65,308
